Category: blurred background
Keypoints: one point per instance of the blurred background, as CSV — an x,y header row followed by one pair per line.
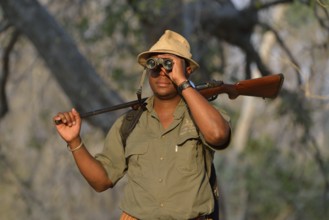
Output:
x,y
58,54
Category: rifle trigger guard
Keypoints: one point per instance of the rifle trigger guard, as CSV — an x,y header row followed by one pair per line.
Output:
x,y
212,98
210,84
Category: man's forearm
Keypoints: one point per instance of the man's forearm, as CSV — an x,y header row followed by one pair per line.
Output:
x,y
92,170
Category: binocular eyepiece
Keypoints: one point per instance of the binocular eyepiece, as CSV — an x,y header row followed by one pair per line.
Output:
x,y
153,63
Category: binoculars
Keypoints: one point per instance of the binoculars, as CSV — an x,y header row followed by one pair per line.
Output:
x,y
153,63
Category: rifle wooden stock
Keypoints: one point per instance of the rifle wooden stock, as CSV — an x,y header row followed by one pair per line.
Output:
x,y
264,87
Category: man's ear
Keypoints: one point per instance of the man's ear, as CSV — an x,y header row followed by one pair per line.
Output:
x,y
189,70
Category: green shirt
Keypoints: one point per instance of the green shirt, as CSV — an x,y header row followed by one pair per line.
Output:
x,y
165,167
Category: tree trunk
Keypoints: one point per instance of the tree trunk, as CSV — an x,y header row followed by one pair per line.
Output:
x,y
75,75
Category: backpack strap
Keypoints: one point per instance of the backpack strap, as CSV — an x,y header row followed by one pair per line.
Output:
x,y
129,122
132,117
215,189
211,172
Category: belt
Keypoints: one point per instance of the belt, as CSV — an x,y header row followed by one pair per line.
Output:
x,y
126,216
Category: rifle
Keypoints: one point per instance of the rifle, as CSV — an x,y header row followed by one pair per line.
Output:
x,y
264,87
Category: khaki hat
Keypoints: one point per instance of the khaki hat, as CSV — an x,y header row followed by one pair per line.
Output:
x,y
172,43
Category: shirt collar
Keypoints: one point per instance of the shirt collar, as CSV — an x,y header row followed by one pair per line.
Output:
x,y
179,112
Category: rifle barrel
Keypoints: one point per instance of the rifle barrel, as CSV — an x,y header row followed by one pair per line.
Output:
x,y
112,108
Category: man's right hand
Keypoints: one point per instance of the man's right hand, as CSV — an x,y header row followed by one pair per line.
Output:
x,y
70,126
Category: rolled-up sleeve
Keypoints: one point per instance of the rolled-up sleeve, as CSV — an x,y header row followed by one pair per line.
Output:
x,y
112,156
228,119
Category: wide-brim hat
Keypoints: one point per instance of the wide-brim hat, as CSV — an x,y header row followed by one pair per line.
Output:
x,y
172,43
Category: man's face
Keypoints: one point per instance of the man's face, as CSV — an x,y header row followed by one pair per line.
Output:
x,y
160,82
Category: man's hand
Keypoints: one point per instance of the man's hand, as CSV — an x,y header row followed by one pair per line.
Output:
x,y
179,72
70,127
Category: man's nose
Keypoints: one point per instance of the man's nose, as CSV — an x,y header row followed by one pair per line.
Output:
x,y
163,71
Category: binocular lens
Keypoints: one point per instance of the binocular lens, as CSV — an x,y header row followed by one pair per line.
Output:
x,y
152,63
167,64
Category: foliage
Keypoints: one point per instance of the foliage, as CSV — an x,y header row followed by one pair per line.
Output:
x,y
280,173
299,15
278,180
294,106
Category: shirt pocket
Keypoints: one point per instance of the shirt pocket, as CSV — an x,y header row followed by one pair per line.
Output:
x,y
135,154
188,153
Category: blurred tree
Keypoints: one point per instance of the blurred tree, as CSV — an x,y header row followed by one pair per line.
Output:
x,y
72,71
280,165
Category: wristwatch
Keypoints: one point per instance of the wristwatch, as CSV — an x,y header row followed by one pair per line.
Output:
x,y
184,85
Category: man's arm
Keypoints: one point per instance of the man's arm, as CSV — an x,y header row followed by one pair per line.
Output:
x,y
211,123
213,126
92,170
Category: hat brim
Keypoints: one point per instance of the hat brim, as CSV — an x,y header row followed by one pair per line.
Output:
x,y
142,57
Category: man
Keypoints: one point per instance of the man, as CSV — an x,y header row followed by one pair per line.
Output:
x,y
165,155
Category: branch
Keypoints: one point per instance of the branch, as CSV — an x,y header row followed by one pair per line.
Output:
x,y
4,25
269,4
307,88
285,49
74,73
5,73
322,166
24,187
321,21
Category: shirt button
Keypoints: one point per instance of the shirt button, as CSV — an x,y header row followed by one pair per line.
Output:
x,y
161,158
160,180
161,204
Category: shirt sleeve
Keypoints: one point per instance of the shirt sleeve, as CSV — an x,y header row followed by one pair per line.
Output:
x,y
112,156
228,119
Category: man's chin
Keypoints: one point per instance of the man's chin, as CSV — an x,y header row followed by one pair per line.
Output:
x,y
165,96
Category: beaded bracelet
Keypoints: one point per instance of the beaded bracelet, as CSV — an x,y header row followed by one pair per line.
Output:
x,y
74,149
